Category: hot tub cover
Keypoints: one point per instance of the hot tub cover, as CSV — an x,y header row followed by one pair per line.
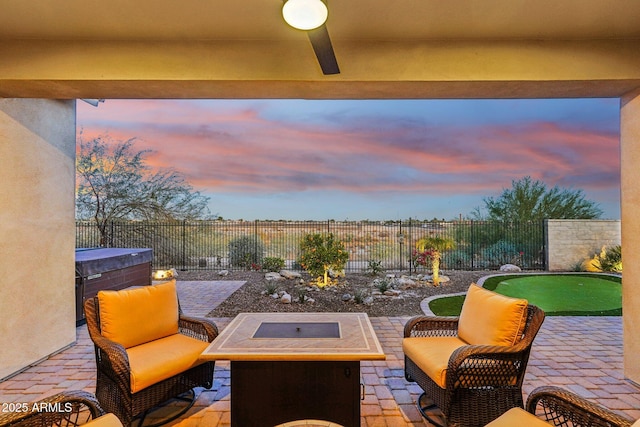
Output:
x,y
101,260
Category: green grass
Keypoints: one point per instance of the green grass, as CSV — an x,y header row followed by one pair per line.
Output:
x,y
556,294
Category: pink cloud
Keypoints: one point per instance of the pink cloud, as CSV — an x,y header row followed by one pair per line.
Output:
x,y
239,150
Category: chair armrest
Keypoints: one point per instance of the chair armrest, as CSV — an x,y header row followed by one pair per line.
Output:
x,y
113,360
68,408
474,366
557,406
431,326
198,327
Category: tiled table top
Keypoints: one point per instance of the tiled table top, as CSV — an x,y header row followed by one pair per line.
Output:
x,y
297,336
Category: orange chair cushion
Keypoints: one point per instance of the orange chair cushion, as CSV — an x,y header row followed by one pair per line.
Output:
x,y
432,354
163,358
488,318
138,315
517,417
107,420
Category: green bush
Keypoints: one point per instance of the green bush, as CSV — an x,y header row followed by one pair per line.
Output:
x,y
321,253
246,251
272,263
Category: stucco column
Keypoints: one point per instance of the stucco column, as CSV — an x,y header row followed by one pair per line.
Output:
x,y
37,230
630,215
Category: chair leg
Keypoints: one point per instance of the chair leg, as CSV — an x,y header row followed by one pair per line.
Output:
x,y
189,397
430,411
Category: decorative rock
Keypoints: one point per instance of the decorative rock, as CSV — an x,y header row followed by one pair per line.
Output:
x,y
390,276
346,297
286,299
288,274
392,293
274,295
405,282
223,273
368,300
510,268
273,276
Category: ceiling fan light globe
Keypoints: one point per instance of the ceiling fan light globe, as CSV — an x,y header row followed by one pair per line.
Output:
x,y
305,14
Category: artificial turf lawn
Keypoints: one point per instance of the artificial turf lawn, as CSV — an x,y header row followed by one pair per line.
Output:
x,y
556,294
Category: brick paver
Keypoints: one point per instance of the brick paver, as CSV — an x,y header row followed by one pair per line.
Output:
x,y
582,354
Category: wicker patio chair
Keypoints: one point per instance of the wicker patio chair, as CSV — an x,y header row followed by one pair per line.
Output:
x,y
476,382
561,408
116,387
69,408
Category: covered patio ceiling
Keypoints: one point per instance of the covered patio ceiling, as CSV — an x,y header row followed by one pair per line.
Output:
x,y
385,49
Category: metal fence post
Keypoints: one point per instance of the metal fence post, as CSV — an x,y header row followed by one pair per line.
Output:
x,y
473,249
184,244
255,242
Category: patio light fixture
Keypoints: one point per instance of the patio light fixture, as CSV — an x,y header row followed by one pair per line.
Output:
x,y
305,14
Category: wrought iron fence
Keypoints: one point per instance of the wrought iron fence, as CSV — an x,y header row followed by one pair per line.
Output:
x,y
205,245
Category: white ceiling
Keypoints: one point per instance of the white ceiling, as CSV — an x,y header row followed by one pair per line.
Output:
x,y
375,20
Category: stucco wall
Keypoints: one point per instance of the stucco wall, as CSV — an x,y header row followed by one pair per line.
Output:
x,y
572,241
37,238
630,192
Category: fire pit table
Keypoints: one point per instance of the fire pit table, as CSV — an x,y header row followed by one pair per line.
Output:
x,y
293,366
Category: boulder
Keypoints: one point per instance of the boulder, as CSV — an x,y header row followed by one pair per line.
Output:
x,y
405,282
286,298
223,273
288,274
273,276
510,268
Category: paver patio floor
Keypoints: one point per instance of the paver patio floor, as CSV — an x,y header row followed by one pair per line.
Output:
x,y
582,354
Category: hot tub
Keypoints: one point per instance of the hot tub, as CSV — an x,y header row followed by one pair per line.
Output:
x,y
109,268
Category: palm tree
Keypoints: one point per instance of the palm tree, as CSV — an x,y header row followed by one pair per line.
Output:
x,y
435,245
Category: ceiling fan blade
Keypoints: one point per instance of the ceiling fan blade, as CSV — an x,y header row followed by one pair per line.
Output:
x,y
324,50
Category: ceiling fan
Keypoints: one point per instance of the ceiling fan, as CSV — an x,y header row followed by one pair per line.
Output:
x,y
310,16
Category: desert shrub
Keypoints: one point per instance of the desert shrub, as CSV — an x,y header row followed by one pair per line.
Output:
x,y
272,263
374,267
609,260
578,267
359,296
500,253
383,285
246,251
612,260
458,259
321,253
271,287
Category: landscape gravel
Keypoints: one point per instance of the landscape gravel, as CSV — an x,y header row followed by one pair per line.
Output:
x,y
363,292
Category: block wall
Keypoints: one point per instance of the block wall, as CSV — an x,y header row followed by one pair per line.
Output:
x,y
571,241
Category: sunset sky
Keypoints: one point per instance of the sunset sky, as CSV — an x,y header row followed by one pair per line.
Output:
x,y
369,159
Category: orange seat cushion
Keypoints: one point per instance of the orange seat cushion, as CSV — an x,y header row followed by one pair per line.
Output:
x,y
488,318
517,417
163,358
432,354
135,316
